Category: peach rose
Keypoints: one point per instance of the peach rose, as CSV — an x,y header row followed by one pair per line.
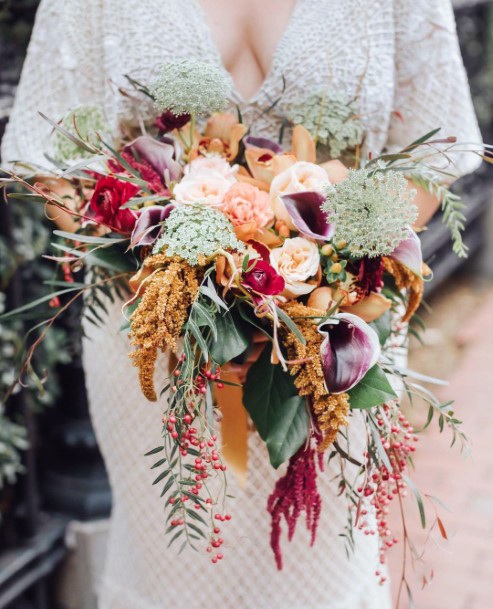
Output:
x,y
244,203
300,177
212,165
206,188
297,260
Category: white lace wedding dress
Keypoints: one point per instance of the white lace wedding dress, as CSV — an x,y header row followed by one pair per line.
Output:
x,y
400,60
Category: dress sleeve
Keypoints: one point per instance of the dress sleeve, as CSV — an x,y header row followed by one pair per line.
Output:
x,y
62,69
431,87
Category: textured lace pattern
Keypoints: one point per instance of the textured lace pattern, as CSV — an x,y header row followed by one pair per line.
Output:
x,y
391,55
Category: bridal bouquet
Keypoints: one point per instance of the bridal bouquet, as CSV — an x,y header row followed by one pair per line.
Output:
x,y
228,249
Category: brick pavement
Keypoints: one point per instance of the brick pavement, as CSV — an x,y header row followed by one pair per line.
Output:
x,y
464,564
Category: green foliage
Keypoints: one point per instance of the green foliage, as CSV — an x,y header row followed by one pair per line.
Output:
x,y
278,412
374,389
331,119
231,341
452,209
22,254
13,439
383,327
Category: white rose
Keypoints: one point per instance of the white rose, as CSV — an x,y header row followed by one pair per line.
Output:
x,y
206,188
300,177
214,165
297,260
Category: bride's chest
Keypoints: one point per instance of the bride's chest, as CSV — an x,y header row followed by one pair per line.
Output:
x,y
344,47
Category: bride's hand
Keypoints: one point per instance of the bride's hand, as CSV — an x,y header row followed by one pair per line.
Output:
x,y
259,340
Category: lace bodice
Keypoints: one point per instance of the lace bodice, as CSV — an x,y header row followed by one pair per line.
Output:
x,y
398,58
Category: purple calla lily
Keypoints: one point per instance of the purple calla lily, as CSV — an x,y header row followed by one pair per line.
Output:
x,y
307,215
349,349
159,154
148,226
408,253
250,141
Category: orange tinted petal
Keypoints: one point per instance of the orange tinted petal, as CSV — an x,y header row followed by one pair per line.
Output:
x,y
303,146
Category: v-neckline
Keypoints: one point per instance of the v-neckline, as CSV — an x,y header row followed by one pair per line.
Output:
x,y
281,43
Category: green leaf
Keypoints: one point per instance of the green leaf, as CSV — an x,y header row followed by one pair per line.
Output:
x,y
278,412
291,325
372,390
382,327
231,340
35,303
421,507
111,258
210,291
87,238
76,140
162,476
195,330
204,318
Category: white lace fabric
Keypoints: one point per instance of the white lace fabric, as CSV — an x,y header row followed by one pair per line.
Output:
x,y
400,60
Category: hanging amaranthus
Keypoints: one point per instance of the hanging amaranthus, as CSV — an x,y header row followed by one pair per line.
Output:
x,y
294,493
158,320
330,410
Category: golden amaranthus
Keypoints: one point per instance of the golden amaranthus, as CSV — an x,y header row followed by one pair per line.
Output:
x,y
158,320
330,410
406,280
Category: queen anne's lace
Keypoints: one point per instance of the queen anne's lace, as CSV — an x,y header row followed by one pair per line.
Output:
x,y
191,87
371,211
389,55
192,231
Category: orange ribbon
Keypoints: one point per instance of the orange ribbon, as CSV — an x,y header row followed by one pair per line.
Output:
x,y
234,424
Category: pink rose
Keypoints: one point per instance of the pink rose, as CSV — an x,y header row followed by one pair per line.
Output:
x,y
244,203
212,165
208,189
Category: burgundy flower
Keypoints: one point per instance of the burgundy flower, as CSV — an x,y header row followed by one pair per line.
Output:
x,y
168,121
263,278
368,273
149,224
349,349
154,160
307,215
251,141
108,197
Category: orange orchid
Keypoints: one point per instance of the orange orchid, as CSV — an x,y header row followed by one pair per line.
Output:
x,y
369,308
223,134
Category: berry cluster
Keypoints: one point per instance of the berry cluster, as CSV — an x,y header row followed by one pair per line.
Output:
x,y
204,461
382,485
